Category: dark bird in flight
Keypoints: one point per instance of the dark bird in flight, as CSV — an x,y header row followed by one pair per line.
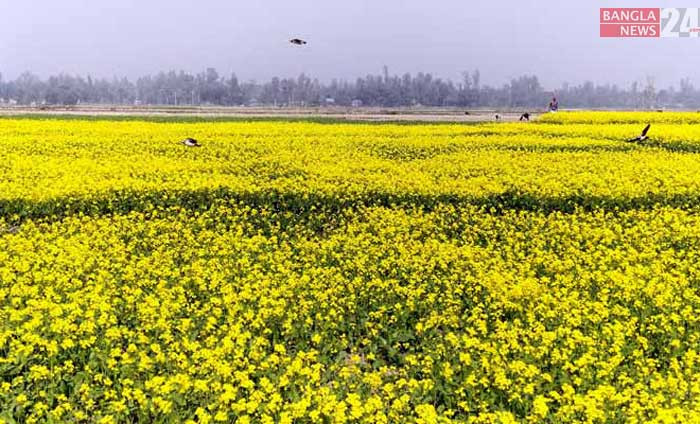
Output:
x,y
191,142
642,137
525,117
297,41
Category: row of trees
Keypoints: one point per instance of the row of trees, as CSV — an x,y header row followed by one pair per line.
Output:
x,y
210,88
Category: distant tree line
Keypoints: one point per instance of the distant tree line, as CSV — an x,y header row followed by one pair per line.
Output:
x,y
422,89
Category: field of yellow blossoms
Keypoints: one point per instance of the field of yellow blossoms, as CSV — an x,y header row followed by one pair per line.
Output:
x,y
320,272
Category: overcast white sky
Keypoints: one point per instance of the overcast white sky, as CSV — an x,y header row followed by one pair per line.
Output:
x,y
557,40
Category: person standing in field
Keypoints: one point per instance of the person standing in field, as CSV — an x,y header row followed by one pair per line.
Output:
x,y
554,105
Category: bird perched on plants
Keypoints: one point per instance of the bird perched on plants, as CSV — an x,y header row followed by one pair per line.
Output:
x,y
641,137
191,142
525,117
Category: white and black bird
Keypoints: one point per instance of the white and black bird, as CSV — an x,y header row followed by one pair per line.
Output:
x,y
191,142
297,41
525,117
642,137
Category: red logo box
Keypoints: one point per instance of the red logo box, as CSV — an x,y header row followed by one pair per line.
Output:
x,y
639,22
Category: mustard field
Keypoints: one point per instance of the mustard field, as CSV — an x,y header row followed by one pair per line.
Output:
x,y
299,272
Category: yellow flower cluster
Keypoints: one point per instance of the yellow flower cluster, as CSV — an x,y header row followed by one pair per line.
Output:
x,y
659,117
349,273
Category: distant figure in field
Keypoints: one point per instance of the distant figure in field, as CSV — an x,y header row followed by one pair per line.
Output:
x,y
525,117
297,41
554,105
467,113
498,117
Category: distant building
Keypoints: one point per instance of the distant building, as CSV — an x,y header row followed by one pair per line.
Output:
x,y
356,103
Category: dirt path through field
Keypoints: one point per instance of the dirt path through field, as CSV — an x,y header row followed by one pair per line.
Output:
x,y
335,113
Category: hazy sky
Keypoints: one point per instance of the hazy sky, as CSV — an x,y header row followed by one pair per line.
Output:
x,y
557,40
